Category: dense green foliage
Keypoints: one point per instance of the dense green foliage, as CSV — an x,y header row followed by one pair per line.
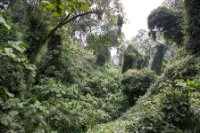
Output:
x,y
6,33
35,34
158,59
131,58
19,111
185,68
56,75
101,44
135,83
172,109
167,22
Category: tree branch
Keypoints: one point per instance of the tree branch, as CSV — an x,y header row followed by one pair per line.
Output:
x,y
68,20
80,15
67,17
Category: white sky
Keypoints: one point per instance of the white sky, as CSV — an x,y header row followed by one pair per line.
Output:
x,y
137,12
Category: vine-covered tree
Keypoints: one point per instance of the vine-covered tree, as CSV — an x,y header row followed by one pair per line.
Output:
x,y
131,58
158,59
192,16
36,33
63,12
167,22
101,44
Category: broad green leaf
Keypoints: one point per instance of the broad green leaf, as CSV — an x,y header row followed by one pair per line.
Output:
x,y
192,83
46,5
8,51
11,103
5,119
55,13
13,113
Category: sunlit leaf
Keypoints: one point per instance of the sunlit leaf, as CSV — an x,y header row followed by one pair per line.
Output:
x,y
10,94
19,46
192,83
55,14
2,21
84,6
181,84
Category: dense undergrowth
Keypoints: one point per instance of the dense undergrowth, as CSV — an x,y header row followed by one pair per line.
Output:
x,y
51,83
53,105
170,105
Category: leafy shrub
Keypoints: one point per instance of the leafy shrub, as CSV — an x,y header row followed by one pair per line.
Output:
x,y
100,87
175,106
49,89
152,122
185,68
171,110
135,83
74,108
21,116
14,67
75,115
18,111
69,110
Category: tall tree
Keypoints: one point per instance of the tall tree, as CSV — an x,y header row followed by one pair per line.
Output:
x,y
145,45
192,17
158,59
61,13
131,58
167,22
102,43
